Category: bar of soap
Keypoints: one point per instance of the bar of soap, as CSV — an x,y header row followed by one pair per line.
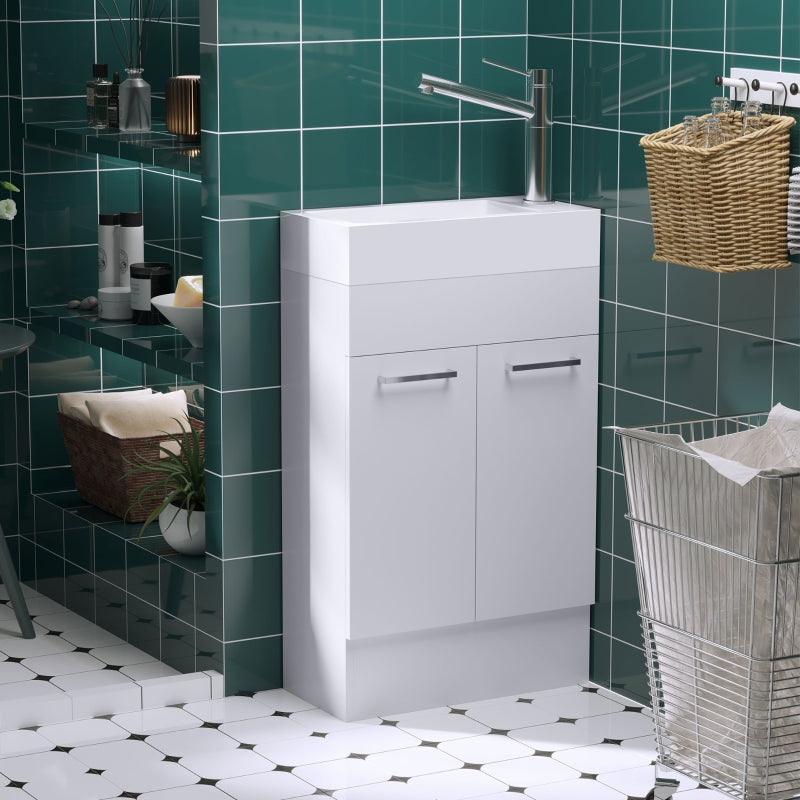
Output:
x,y
189,291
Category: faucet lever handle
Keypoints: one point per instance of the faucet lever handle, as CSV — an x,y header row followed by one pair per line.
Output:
x,y
524,72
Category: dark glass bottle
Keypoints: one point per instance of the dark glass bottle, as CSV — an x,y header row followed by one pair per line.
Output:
x,y
113,102
148,280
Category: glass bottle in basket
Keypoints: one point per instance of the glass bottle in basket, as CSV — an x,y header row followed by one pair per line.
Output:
x,y
751,116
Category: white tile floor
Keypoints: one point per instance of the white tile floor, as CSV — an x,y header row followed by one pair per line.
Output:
x,y
575,743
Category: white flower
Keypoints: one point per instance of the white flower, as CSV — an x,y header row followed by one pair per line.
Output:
x,y
8,209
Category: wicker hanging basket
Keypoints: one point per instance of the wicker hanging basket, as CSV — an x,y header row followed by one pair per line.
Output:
x,y
721,208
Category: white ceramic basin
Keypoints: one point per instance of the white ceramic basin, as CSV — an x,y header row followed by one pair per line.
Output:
x,y
443,239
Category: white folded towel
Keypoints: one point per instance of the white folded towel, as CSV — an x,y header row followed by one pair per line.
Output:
x,y
140,416
73,404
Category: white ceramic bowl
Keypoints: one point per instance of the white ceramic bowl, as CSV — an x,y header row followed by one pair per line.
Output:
x,y
189,321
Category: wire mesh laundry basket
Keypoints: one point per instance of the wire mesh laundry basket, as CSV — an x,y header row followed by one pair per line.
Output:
x,y
718,567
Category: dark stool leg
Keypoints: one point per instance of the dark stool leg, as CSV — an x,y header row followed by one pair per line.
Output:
x,y
11,581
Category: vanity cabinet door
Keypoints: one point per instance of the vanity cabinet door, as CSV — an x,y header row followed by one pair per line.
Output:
x,y
411,457
536,456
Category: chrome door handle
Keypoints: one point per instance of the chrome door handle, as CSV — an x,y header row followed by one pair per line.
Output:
x,y
429,376
569,362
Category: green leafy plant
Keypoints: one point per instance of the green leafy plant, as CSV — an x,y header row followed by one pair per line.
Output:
x,y
179,474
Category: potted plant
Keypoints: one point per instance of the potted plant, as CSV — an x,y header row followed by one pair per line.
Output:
x,y
179,473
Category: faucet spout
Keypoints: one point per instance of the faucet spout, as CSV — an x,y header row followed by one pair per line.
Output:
x,y
535,110
429,84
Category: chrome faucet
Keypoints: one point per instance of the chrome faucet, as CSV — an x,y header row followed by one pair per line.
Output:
x,y
536,110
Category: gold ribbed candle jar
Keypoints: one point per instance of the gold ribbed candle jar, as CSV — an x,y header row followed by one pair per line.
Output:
x,y
183,107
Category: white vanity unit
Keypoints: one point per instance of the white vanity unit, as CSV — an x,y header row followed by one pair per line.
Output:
x,y
439,405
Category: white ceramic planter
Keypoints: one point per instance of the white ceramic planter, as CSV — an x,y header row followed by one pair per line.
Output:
x,y
187,538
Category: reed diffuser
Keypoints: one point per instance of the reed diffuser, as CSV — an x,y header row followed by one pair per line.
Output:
x,y
132,36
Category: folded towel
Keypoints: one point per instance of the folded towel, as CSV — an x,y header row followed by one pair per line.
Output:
x,y
73,404
140,416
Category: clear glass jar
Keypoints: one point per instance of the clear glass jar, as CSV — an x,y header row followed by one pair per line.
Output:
x,y
751,116
712,129
691,130
134,102
720,105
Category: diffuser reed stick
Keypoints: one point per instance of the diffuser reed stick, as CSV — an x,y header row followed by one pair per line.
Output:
x,y
134,40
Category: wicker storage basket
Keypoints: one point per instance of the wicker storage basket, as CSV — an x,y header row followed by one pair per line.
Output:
x,y
99,465
721,208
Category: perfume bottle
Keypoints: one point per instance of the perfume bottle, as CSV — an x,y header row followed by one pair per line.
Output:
x,y
113,102
99,79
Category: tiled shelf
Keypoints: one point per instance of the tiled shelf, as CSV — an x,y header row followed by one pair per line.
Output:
x,y
161,346
156,147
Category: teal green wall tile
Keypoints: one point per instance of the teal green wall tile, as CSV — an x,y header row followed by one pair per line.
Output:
x,y
208,598
252,259
608,257
605,518
51,479
416,18
341,167
209,654
142,572
693,293
594,167
420,162
253,665
640,352
492,158
214,521
119,190
8,428
634,201
786,380
110,608
692,88
628,671
645,84
341,19
601,610
753,26
600,658
253,513
250,430
158,208
608,343
249,584
79,591
53,217
341,86
58,58
186,53
646,23
633,410
50,575
45,158
178,645
188,232
9,505
143,626
605,448
561,173
623,542
747,301
242,21
550,19
403,61
23,552
555,54
691,374
790,30
209,87
260,173
109,557
176,591
49,527
698,26
597,20
493,17
595,78
641,281
625,623
787,304
120,372
745,374
47,446
78,542
511,51
249,337
262,87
